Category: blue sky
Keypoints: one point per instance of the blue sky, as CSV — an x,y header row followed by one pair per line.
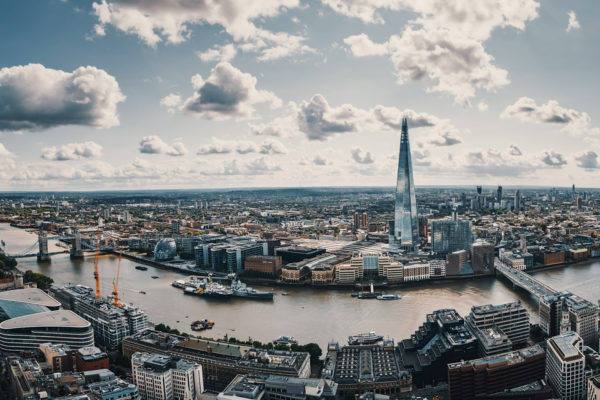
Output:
x,y
112,94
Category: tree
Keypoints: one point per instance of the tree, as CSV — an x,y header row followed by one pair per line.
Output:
x,y
43,282
6,261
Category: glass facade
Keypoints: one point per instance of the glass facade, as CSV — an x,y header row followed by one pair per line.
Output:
x,y
406,229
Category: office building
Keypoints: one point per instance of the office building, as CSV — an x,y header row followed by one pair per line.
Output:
x,y
473,379
111,323
419,271
550,310
518,200
274,387
228,256
406,229
593,388
565,365
162,377
90,359
448,236
263,265
58,356
491,341
28,332
366,368
482,257
499,194
457,263
220,361
442,339
297,253
511,318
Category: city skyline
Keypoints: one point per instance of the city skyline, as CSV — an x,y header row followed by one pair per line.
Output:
x,y
163,95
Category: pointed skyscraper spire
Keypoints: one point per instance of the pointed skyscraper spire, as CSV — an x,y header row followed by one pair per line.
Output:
x,y
406,230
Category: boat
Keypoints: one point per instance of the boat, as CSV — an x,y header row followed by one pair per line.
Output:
x,y
142,292
364,338
141,268
210,290
180,284
285,340
154,277
389,297
201,325
371,294
285,294
240,289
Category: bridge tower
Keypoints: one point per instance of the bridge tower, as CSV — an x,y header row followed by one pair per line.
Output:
x,y
43,255
76,251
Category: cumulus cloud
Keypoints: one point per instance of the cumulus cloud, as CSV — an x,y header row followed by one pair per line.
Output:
x,y
514,150
319,121
445,139
573,23
443,46
279,127
526,109
72,151
553,159
155,145
4,152
171,102
482,106
259,166
226,93
361,156
154,21
269,146
587,160
33,97
219,53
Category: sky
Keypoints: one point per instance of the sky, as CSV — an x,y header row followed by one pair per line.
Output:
x,y
178,94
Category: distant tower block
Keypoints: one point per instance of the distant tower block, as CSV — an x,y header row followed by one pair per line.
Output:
x,y
76,251
43,255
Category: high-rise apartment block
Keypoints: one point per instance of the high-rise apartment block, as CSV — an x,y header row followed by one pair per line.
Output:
x,y
510,318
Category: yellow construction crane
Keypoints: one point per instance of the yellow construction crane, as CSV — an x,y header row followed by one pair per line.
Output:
x,y
116,285
96,275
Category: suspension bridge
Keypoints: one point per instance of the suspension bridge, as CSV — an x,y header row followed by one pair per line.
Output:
x,y
77,244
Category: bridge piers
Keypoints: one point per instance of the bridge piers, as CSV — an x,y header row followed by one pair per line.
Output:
x,y
43,255
76,251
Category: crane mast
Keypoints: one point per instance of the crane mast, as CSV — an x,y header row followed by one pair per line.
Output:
x,y
116,285
96,275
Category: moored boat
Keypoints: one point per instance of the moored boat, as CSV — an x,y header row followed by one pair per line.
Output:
x,y
240,289
389,297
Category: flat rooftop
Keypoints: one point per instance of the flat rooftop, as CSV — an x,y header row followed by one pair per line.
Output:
x,y
51,319
30,296
564,346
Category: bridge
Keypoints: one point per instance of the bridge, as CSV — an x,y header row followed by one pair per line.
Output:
x,y
39,248
524,280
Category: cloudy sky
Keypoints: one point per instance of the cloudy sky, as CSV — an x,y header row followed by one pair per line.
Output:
x,y
126,94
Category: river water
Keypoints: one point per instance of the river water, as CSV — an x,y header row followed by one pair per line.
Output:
x,y
310,315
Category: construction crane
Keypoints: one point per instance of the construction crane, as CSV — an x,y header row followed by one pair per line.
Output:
x,y
116,285
96,275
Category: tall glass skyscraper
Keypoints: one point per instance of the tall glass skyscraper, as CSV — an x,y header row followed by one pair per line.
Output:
x,y
406,228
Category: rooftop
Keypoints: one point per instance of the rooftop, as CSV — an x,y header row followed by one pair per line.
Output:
x,y
30,296
59,319
565,346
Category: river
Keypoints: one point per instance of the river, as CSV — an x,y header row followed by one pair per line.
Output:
x,y
310,315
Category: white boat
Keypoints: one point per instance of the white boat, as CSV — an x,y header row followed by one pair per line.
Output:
x,y
389,297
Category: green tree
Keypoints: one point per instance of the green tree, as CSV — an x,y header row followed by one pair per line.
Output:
x,y
43,282
6,261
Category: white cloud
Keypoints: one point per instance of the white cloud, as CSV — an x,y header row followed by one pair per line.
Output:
x,y
259,166
443,139
72,151
269,146
279,127
361,157
319,121
218,53
226,93
33,97
482,106
4,152
171,102
587,160
553,159
443,46
154,21
573,23
155,145
573,121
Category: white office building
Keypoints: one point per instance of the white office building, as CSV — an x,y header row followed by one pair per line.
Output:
x,y
565,365
161,377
